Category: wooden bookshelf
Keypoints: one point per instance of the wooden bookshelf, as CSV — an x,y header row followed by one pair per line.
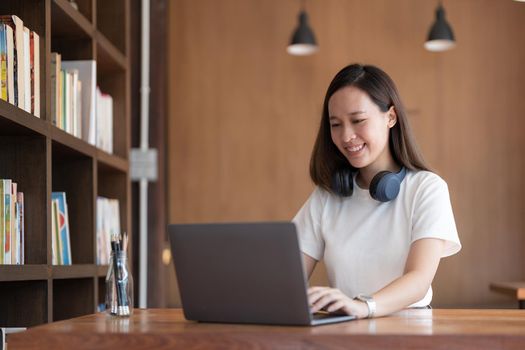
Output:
x,y
42,158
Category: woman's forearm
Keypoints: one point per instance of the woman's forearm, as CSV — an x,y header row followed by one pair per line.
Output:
x,y
421,266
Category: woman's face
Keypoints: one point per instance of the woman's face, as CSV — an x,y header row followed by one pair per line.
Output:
x,y
359,129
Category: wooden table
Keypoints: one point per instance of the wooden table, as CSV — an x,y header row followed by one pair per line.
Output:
x,y
514,289
167,329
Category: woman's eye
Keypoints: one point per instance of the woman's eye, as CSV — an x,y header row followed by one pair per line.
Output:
x,y
357,121
334,125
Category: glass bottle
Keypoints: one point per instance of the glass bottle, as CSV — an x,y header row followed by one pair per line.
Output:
x,y
119,286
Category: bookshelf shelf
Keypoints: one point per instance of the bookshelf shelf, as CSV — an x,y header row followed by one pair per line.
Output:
x,y
102,270
70,143
15,121
23,272
110,58
74,271
109,161
69,22
43,159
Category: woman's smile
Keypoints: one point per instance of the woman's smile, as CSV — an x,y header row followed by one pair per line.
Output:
x,y
354,150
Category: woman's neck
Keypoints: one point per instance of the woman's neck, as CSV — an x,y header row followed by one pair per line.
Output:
x,y
366,174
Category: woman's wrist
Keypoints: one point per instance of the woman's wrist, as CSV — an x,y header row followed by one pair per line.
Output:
x,y
362,309
369,303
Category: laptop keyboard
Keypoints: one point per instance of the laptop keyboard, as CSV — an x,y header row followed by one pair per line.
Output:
x,y
323,315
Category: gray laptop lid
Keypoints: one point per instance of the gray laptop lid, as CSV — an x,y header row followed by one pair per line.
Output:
x,y
241,273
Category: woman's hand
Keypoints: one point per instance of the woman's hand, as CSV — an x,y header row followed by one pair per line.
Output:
x,y
333,300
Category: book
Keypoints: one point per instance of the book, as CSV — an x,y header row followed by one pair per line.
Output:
x,y
10,64
64,251
104,121
108,223
27,71
72,82
14,238
3,63
17,232
21,217
87,74
78,108
17,26
63,111
11,223
54,242
7,220
67,101
55,235
2,224
56,64
34,42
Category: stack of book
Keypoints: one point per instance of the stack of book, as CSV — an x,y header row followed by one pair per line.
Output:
x,y
61,247
19,64
11,223
108,224
104,121
78,106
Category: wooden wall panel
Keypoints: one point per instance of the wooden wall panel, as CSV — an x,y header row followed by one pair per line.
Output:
x,y
243,115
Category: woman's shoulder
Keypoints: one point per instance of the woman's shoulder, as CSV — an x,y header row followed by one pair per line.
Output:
x,y
424,181
425,177
321,194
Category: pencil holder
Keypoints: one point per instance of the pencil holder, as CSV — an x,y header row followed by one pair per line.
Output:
x,y
119,286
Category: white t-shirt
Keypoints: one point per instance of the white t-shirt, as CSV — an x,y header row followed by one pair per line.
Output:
x,y
365,243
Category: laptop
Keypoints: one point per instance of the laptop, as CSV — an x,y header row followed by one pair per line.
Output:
x,y
243,273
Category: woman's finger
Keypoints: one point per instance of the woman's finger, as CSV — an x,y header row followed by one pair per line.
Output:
x,y
315,292
325,300
314,296
316,289
336,306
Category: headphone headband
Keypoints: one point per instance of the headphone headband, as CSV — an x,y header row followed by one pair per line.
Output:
x,y
384,187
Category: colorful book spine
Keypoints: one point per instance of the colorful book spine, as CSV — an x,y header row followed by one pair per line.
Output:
x,y
19,64
54,255
62,123
3,63
14,238
55,88
11,223
63,228
10,47
18,34
27,71
21,216
7,220
2,224
34,43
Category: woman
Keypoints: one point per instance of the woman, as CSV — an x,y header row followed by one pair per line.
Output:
x,y
378,217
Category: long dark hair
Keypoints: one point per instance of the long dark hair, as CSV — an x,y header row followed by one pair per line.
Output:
x,y
327,159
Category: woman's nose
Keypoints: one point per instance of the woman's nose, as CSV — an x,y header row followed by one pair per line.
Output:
x,y
348,135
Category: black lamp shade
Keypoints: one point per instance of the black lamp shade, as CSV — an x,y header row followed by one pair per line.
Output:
x,y
303,39
440,37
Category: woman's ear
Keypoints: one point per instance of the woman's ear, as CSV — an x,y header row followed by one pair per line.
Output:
x,y
392,117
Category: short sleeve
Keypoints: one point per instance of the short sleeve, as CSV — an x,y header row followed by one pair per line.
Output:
x,y
433,216
308,223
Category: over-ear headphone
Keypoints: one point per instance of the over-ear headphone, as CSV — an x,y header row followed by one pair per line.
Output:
x,y
384,187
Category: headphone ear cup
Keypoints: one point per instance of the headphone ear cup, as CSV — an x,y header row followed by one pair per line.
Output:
x,y
343,183
385,186
375,184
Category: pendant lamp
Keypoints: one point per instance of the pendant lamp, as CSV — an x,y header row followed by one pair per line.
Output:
x,y
303,41
440,37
